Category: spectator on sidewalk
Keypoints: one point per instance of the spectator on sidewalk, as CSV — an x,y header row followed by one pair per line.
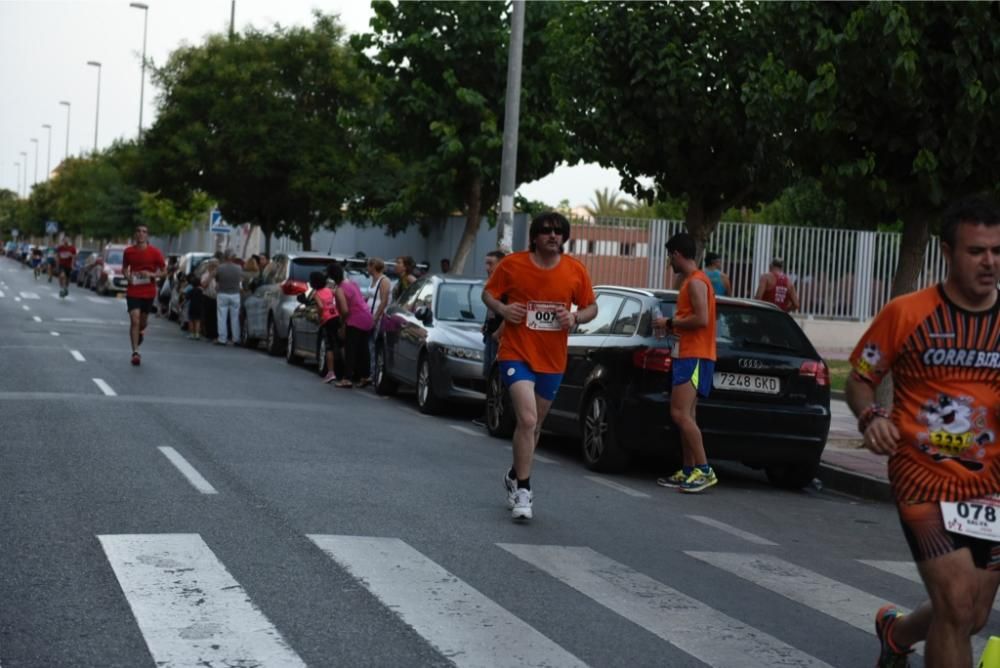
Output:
x,y
194,304
445,265
379,297
228,281
775,287
406,268
492,326
329,321
719,278
357,321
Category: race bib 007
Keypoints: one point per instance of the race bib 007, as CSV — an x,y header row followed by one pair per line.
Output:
x,y
973,517
542,316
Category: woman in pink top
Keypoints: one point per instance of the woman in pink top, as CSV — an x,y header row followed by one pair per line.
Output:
x,y
357,319
329,319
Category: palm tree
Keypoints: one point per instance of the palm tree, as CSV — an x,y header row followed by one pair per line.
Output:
x,y
608,204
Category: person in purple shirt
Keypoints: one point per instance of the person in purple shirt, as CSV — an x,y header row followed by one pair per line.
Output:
x,y
357,319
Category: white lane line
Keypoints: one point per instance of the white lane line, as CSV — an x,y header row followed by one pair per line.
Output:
x,y
189,472
99,300
105,388
624,489
464,625
466,430
189,608
904,569
17,299
728,528
54,333
537,457
36,318
30,295
77,356
2,294
25,307
686,623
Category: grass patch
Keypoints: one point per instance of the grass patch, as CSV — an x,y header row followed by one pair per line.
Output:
x,y
839,371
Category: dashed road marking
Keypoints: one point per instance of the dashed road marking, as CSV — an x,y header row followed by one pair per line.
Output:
x,y
54,333
722,526
77,356
105,388
25,307
191,473
624,489
36,318
30,295
466,430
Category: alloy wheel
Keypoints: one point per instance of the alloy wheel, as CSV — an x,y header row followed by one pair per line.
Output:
x,y
595,428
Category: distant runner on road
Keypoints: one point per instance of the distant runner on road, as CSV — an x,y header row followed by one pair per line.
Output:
x,y
65,254
942,346
142,265
533,292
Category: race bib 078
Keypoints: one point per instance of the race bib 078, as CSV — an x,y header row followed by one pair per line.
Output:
x,y
973,517
542,316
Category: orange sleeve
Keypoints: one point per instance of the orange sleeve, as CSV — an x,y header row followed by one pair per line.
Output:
x,y
879,346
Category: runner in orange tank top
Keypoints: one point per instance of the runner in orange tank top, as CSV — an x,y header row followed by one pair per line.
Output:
x,y
692,369
942,346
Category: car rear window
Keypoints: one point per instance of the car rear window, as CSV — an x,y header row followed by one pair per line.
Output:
x,y
460,302
748,328
302,267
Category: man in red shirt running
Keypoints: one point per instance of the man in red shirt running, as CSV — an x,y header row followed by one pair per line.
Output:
x,y
775,287
65,254
142,265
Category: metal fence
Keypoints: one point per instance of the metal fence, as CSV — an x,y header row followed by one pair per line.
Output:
x,y
839,274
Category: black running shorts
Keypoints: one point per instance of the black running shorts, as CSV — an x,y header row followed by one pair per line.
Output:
x,y
140,304
924,529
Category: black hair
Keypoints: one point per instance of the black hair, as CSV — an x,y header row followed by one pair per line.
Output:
x,y
683,243
777,263
711,258
976,209
335,272
498,254
549,218
317,280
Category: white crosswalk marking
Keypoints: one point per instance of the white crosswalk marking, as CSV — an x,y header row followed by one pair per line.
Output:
x,y
458,621
684,622
740,533
904,569
30,295
189,608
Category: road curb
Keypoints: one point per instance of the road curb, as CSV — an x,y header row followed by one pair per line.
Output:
x,y
854,483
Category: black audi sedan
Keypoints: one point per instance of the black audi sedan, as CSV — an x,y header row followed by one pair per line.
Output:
x,y
769,407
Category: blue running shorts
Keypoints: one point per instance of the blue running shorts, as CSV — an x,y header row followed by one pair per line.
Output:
x,y
696,371
546,384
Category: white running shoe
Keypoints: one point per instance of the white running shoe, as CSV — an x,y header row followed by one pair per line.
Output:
x,y
522,505
511,486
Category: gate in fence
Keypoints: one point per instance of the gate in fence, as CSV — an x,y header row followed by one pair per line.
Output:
x,y
839,274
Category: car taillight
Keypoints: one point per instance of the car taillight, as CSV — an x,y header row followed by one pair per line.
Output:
x,y
292,288
817,370
652,359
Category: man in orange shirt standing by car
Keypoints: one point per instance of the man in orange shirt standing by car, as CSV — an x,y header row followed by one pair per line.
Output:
x,y
942,346
533,291
692,369
142,265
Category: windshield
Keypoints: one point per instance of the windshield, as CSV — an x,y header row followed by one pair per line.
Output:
x,y
460,302
302,267
114,258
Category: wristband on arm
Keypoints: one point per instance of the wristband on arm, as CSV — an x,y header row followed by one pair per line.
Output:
x,y
869,414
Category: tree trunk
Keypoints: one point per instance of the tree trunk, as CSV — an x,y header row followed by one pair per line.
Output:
x,y
307,236
700,222
912,248
267,239
473,205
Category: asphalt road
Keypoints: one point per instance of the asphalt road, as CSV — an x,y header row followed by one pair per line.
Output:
x,y
222,508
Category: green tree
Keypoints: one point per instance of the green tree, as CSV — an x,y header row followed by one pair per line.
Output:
x,y
436,138
163,216
656,90
897,131
260,122
8,208
609,204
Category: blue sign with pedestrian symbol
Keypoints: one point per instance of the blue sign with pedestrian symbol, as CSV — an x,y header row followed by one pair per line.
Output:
x,y
51,227
217,225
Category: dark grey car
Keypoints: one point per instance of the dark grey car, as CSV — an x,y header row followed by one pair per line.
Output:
x,y
430,339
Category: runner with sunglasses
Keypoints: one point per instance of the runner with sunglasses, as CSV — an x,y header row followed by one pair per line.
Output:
x,y
533,291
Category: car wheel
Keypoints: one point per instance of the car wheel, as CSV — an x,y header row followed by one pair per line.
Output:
x,y
273,344
427,401
792,476
321,355
601,450
291,356
384,385
246,340
500,420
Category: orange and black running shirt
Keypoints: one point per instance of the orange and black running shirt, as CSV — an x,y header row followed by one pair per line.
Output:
x,y
700,342
538,341
945,364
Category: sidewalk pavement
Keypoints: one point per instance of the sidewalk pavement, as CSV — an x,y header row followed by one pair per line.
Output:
x,y
846,466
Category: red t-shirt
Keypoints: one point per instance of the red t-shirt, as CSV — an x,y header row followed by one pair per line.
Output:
x,y
777,294
142,259
66,253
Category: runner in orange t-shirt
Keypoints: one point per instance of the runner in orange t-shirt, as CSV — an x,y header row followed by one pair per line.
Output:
x,y
694,325
533,292
942,345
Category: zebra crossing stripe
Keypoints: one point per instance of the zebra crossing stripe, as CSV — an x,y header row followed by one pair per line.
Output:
x,y
904,569
691,626
460,622
190,610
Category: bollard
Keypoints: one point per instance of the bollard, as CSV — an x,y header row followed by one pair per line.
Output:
x,y
991,655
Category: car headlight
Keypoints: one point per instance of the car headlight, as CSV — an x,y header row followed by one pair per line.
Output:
x,y
463,353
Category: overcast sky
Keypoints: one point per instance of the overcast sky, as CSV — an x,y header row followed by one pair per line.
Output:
x,y
45,46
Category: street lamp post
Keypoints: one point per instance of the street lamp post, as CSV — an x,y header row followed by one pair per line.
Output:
x,y
24,163
34,141
66,104
97,113
48,158
18,166
142,84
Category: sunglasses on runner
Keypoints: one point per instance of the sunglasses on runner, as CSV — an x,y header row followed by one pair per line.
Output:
x,y
550,230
